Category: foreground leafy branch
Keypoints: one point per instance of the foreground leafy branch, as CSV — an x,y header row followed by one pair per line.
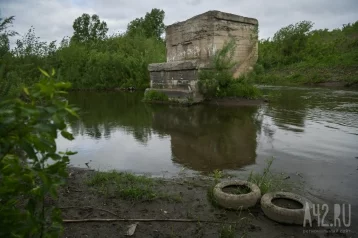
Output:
x,y
31,168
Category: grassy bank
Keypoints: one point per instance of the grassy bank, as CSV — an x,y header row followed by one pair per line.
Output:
x,y
296,55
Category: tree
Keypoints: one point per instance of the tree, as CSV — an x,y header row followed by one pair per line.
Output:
x,y
30,45
151,25
292,40
5,34
89,28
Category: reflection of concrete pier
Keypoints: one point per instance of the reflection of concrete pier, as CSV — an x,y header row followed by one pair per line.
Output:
x,y
191,44
204,139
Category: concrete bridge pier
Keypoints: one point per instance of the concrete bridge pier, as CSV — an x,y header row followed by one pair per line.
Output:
x,y
190,46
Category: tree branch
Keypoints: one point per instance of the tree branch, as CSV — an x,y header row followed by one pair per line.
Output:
x,y
147,220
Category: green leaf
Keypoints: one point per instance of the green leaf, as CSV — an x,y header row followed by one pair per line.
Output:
x,y
44,72
26,91
28,149
65,85
73,113
53,72
70,153
67,135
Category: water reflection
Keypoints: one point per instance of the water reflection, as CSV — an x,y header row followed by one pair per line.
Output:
x,y
101,113
202,138
118,130
288,109
205,138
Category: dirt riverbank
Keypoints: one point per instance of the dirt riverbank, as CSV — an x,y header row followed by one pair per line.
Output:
x,y
85,197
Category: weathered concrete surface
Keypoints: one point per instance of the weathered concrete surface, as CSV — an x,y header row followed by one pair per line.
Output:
x,y
201,36
191,44
175,65
174,75
183,96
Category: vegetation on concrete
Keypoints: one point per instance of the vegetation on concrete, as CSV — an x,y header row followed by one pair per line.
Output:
x,y
31,168
296,54
155,96
90,59
218,81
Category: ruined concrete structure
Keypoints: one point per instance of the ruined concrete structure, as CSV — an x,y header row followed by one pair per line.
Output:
x,y
191,44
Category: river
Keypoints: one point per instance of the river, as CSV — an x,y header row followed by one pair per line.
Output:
x,y
311,132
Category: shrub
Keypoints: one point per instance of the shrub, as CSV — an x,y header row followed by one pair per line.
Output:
x,y
298,49
155,96
31,169
245,90
219,82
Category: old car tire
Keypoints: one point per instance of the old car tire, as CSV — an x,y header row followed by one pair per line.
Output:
x,y
285,215
236,201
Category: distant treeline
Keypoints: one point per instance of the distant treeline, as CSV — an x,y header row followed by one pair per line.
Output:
x,y
298,54
89,59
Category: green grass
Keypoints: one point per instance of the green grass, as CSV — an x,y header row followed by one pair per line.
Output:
x,y
155,96
307,75
211,198
268,181
227,231
129,187
243,90
123,185
217,175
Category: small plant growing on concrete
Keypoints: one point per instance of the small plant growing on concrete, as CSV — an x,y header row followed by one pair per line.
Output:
x,y
218,82
151,96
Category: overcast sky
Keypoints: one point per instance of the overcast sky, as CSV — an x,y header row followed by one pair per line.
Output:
x,y
53,19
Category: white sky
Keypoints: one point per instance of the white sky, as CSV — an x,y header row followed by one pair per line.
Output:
x,y
53,19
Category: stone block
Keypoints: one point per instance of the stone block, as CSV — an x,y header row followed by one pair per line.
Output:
x,y
191,44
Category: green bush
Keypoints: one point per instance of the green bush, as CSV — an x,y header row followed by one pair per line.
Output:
x,y
218,81
87,60
31,168
155,96
315,55
242,89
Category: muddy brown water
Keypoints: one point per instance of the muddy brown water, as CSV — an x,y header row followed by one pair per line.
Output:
x,y
311,132
287,203
236,189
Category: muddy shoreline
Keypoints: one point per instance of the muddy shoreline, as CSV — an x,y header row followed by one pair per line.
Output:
x,y
78,200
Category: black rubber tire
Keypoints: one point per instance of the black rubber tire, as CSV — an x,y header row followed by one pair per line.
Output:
x,y
285,215
236,201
